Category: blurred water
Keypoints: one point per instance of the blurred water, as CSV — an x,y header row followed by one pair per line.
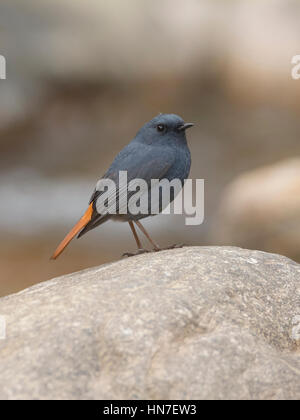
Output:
x,y
31,203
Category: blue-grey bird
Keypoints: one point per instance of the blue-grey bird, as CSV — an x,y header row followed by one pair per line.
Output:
x,y
158,151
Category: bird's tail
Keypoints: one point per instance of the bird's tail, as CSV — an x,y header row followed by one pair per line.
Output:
x,y
77,228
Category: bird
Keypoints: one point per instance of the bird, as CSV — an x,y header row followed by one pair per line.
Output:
x,y
158,151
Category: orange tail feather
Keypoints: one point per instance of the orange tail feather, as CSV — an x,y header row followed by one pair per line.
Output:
x,y
80,225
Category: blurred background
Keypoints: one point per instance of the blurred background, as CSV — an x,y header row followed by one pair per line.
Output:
x,y
84,75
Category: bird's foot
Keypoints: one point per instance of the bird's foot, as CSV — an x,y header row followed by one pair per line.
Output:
x,y
175,246
138,252
144,251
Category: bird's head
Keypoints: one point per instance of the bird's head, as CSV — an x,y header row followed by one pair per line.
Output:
x,y
164,127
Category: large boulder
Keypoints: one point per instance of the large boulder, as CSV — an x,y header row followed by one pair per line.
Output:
x,y
191,323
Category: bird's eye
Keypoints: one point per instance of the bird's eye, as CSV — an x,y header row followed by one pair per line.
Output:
x,y
160,128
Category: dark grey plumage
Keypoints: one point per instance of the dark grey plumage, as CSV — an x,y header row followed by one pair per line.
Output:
x,y
159,150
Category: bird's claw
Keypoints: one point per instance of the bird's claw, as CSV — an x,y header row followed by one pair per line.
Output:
x,y
144,251
175,246
138,252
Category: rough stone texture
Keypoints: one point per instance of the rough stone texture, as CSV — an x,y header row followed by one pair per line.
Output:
x,y
204,323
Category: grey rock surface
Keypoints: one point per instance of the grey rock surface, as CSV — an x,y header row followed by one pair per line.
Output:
x,y
191,323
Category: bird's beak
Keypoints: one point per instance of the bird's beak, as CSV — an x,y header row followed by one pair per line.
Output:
x,y
185,126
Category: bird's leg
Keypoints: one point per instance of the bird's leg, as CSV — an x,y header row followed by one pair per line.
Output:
x,y
138,242
141,227
156,247
137,239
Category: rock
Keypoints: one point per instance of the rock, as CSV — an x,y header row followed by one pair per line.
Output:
x,y
261,209
191,323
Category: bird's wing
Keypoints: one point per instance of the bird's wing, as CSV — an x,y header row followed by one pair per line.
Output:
x,y
140,162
